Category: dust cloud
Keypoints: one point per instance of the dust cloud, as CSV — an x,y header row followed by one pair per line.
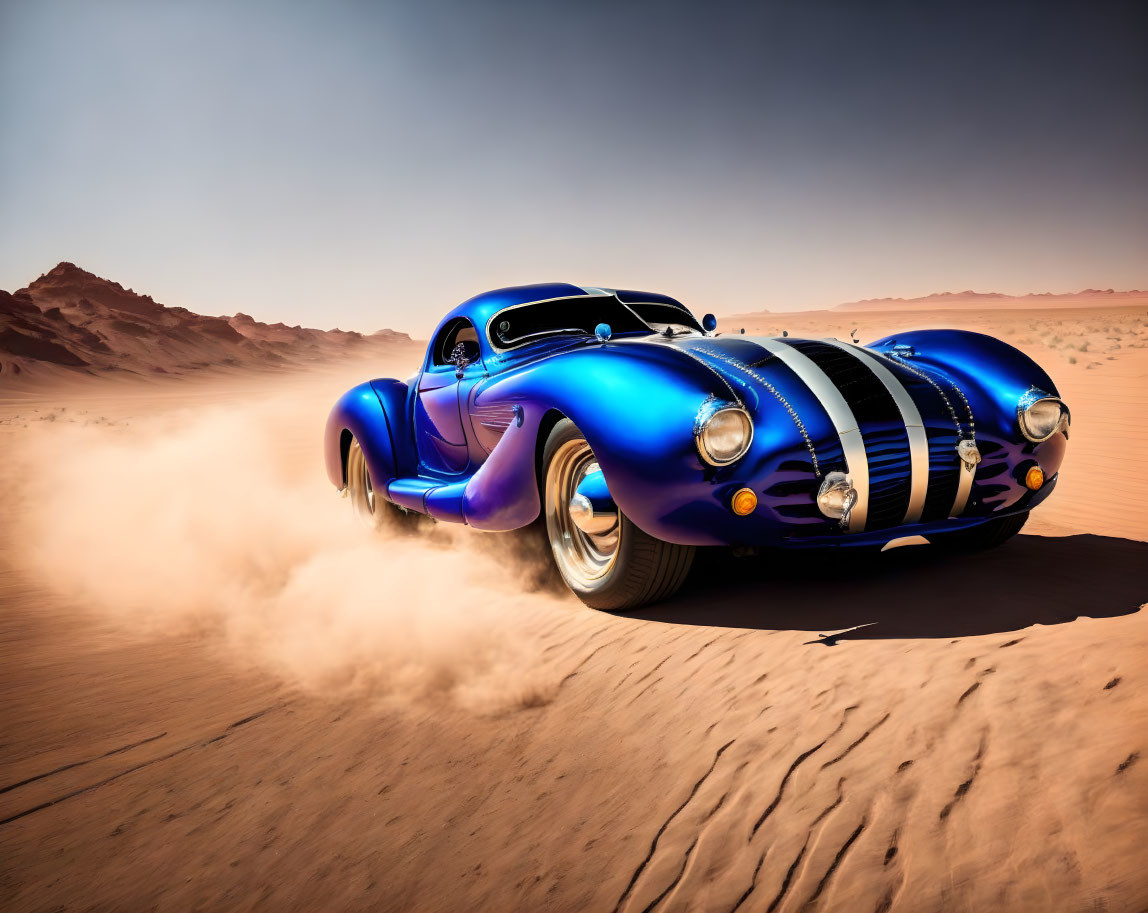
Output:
x,y
220,519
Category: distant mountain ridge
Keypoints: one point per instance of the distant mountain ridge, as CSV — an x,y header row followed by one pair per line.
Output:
x,y
72,319
1087,297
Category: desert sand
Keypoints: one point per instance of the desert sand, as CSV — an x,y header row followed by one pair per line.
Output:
x,y
217,693
998,301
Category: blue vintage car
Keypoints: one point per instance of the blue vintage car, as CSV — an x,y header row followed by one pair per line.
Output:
x,y
634,433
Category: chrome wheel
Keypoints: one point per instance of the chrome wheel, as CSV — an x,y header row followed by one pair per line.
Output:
x,y
584,558
605,558
359,487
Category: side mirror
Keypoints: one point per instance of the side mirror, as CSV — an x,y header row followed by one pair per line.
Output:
x,y
709,323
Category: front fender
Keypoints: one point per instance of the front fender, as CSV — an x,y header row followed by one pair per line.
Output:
x,y
997,373
503,493
636,405
993,376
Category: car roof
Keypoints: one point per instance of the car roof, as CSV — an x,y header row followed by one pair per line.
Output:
x,y
482,307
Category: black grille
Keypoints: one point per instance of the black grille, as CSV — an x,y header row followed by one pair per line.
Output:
x,y
794,494
882,429
944,472
890,476
944,463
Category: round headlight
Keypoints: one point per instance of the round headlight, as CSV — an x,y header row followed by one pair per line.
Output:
x,y
1041,418
724,433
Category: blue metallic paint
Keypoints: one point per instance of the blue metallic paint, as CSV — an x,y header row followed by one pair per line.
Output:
x,y
466,449
994,376
594,489
361,412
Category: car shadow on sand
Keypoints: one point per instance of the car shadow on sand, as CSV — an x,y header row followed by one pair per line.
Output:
x,y
914,591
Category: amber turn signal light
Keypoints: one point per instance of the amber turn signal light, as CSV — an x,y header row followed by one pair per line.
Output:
x,y
1034,478
744,501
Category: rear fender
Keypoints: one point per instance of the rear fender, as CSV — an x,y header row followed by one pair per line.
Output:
x,y
374,414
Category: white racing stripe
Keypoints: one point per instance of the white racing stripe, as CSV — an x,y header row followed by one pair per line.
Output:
x,y
839,414
914,427
967,473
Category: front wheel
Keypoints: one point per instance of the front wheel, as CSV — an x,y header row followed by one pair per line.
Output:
x,y
610,565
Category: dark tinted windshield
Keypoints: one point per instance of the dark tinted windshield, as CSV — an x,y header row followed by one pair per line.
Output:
x,y
526,323
662,316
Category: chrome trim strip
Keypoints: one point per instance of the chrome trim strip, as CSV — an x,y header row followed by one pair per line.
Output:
x,y
968,472
964,488
591,292
693,356
902,541
514,307
965,479
839,414
914,427
746,369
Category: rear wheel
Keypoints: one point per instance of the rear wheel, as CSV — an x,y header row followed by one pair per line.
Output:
x,y
985,536
372,509
615,566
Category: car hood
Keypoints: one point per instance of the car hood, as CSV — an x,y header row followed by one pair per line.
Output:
x,y
755,362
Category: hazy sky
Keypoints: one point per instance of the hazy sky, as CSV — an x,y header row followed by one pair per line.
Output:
x,y
368,164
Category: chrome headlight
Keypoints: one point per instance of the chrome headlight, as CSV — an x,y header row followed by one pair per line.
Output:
x,y
1040,415
723,432
837,497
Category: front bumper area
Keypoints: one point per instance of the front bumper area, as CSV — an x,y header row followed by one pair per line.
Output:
x,y
881,537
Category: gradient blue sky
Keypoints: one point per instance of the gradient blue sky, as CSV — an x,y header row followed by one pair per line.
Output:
x,y
367,164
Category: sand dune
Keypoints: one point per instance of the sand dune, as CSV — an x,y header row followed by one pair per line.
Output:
x,y
217,695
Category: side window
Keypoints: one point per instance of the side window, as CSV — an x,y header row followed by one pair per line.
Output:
x,y
457,332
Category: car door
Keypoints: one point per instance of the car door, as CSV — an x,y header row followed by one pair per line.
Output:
x,y
439,434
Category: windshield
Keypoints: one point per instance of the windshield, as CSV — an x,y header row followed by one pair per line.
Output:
x,y
666,317
526,323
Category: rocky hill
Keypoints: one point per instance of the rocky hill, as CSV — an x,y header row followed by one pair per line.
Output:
x,y
70,321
